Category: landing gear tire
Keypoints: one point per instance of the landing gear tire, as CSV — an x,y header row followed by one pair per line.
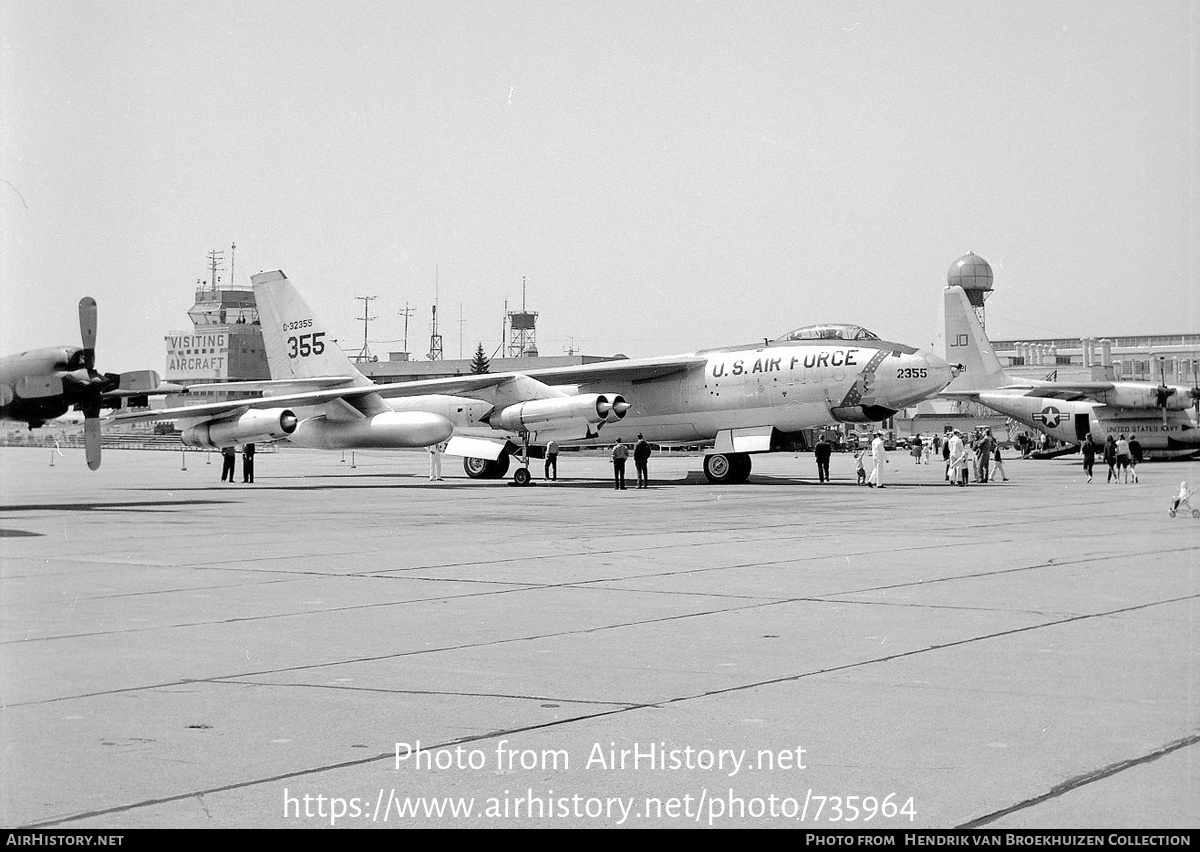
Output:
x,y
741,467
521,477
485,468
1196,513
727,468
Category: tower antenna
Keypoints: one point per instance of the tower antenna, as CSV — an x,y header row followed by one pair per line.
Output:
x,y
435,339
406,312
365,353
215,259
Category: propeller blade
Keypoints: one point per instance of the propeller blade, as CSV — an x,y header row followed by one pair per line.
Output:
x,y
91,441
87,330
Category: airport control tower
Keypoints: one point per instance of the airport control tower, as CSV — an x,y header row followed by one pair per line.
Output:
x,y
974,275
225,342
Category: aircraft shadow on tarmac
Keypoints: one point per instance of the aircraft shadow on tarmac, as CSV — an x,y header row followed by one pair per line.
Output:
x,y
406,481
149,505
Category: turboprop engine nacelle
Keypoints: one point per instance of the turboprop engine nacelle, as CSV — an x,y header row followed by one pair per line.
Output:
x,y
268,424
537,413
861,413
391,429
1147,396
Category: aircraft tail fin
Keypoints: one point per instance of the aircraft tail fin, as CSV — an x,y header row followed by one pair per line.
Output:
x,y
966,343
297,344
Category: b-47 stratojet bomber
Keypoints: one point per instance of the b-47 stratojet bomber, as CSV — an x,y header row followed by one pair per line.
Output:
x,y
742,400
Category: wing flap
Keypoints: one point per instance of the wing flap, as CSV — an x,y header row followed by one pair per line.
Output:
x,y
295,385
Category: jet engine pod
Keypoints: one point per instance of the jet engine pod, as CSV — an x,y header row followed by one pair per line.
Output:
x,y
539,413
861,413
267,424
617,406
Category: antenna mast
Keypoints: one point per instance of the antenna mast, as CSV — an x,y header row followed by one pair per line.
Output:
x,y
215,258
406,312
365,353
435,339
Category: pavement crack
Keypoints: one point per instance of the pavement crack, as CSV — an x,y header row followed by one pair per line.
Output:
x,y
442,692
1083,780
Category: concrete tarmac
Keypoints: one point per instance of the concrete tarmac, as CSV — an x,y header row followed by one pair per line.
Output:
x,y
179,652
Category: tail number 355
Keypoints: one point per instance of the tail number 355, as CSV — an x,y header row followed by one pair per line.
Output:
x,y
306,344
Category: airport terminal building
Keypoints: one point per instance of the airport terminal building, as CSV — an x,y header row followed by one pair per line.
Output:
x,y
1173,358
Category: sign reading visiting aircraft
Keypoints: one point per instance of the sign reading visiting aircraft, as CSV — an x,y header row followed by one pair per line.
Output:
x,y
198,356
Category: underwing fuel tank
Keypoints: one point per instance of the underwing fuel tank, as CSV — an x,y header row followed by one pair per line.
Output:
x,y
391,429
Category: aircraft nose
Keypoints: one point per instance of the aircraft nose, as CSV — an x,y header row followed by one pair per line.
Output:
x,y
940,372
917,376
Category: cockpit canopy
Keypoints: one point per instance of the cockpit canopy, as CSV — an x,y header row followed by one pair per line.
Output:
x,y
829,332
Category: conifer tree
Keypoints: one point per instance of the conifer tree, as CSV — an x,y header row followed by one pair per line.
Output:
x,y
479,364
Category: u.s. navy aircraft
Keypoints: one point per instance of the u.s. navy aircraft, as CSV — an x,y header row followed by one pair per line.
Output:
x,y
42,384
742,400
1162,417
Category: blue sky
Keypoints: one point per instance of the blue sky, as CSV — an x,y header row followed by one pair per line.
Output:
x,y
667,176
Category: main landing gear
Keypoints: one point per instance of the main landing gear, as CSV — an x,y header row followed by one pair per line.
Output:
x,y
486,469
727,468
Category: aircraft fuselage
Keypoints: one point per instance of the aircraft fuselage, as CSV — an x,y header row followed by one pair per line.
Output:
x,y
787,387
1069,420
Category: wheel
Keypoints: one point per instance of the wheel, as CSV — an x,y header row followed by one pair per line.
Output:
x,y
486,469
522,477
717,468
724,468
1171,512
476,468
1196,513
